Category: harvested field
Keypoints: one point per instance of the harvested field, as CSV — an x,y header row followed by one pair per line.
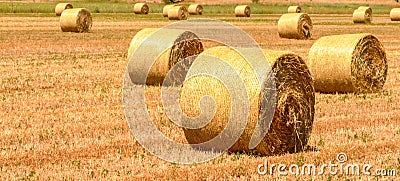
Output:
x,y
61,112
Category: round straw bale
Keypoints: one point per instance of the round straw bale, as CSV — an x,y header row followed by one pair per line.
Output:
x,y
295,26
76,20
242,11
141,8
395,14
362,15
195,9
60,7
178,13
348,63
294,111
294,9
166,9
184,44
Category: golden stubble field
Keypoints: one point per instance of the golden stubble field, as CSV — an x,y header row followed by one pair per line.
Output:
x,y
61,113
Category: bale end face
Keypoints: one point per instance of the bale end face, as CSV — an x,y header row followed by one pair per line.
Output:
x,y
294,112
369,69
242,11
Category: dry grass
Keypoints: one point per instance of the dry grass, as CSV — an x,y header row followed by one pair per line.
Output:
x,y
61,114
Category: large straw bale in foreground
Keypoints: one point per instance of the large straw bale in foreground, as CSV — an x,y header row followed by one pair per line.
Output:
x,y
141,8
183,44
348,63
76,20
60,7
166,9
294,9
195,9
395,14
294,111
178,13
362,15
242,11
295,26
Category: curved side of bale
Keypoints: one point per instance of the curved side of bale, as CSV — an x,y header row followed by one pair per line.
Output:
x,y
294,112
178,13
362,15
295,26
366,8
141,8
76,20
348,63
242,11
294,9
60,7
395,14
183,44
195,9
166,9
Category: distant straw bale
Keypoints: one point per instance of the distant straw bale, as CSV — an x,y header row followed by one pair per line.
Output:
x,y
166,9
348,63
195,9
362,15
242,11
295,26
141,8
60,7
294,9
183,44
76,20
395,14
178,13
